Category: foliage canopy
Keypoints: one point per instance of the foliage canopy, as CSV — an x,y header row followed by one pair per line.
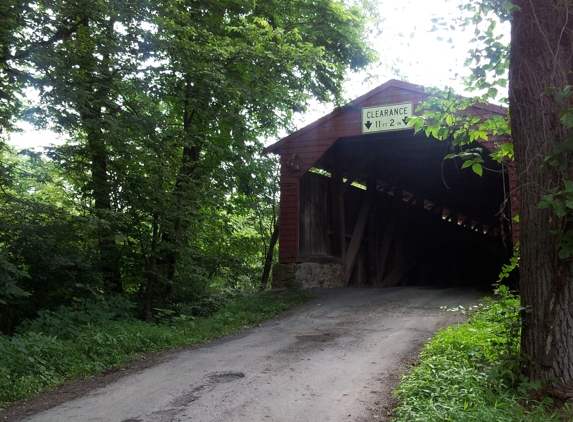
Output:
x,y
160,191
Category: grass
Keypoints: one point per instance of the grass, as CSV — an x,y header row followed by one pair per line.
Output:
x,y
33,362
470,373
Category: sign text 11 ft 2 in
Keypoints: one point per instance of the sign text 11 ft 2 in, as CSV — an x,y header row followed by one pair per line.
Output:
x,y
386,118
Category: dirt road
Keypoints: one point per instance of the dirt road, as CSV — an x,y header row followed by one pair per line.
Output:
x,y
336,358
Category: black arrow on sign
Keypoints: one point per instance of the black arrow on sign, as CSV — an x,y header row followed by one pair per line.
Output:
x,y
368,124
405,120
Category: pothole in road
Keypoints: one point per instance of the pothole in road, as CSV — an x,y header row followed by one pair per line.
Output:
x,y
220,377
316,337
194,392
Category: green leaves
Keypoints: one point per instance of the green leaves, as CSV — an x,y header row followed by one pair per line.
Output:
x,y
164,105
467,371
97,339
560,201
503,150
509,7
9,276
446,115
566,243
471,158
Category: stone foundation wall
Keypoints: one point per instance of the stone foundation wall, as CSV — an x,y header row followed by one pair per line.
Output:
x,y
308,275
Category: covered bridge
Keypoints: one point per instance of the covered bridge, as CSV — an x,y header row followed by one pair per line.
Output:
x,y
367,202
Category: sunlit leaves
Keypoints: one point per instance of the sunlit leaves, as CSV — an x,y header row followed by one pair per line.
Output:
x,y
445,115
448,117
503,150
164,105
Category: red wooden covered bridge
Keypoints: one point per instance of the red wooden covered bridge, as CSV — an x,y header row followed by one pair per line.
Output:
x,y
367,202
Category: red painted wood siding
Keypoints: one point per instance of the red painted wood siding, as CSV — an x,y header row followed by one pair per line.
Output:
x,y
311,142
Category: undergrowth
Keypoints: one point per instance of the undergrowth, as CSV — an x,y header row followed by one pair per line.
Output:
x,y
470,372
32,361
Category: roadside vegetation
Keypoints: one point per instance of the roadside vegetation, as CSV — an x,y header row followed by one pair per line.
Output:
x,y
156,208
471,372
88,338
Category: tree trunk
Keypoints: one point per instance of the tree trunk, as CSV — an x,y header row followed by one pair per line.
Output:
x,y
151,273
269,258
90,110
191,154
184,177
541,58
109,253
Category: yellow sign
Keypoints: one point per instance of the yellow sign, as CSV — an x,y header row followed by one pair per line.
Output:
x,y
386,118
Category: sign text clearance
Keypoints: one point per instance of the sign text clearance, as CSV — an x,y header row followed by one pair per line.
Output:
x,y
385,118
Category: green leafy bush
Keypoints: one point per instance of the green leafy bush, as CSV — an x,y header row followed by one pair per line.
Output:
x,y
31,362
470,372
67,321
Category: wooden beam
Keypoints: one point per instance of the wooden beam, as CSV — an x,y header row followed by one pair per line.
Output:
x,y
289,218
389,231
402,270
438,209
453,217
373,234
401,250
357,173
337,206
356,239
387,188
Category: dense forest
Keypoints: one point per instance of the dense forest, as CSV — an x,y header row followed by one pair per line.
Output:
x,y
160,194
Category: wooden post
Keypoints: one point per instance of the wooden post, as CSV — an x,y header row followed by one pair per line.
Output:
x,y
400,247
389,231
289,219
402,270
337,206
373,232
356,239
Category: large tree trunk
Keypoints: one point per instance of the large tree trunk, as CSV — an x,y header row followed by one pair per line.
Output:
x,y
541,50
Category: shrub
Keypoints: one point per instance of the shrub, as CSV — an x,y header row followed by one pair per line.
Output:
x,y
470,372
32,361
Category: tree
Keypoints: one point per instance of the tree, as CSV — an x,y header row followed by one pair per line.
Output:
x,y
164,105
231,72
541,63
82,80
46,252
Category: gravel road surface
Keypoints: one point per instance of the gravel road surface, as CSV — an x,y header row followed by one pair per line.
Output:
x,y
335,358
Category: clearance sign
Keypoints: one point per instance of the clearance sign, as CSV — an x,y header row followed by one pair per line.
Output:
x,y
386,118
